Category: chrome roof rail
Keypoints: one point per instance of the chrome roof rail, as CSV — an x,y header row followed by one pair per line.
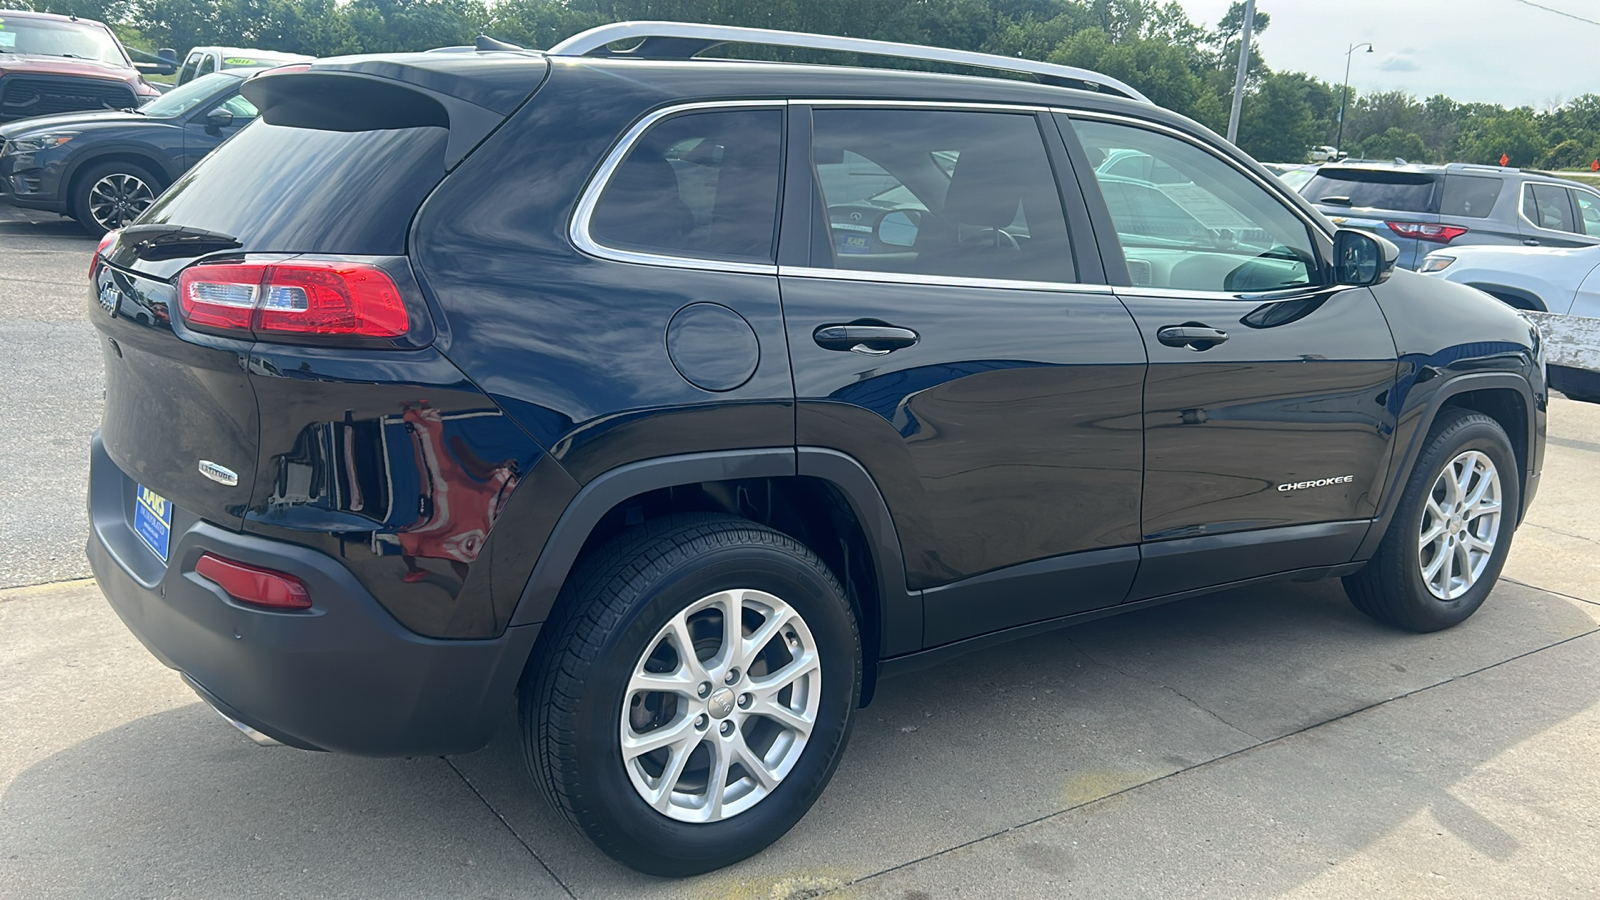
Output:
x,y
683,40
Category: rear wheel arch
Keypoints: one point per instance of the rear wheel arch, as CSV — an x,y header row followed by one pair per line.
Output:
x,y
1516,298
826,501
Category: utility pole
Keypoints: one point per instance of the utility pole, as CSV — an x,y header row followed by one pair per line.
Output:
x,y
1244,64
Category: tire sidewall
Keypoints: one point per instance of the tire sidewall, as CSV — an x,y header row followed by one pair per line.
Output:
x,y
1483,435
92,175
609,795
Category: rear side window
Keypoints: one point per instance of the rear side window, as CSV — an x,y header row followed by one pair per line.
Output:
x,y
1374,189
1547,206
281,188
701,185
1470,195
939,193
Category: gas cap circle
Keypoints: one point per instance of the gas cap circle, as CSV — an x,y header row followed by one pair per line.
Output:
x,y
712,347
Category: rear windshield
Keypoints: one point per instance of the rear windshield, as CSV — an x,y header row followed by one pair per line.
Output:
x,y
1470,195
277,188
1375,189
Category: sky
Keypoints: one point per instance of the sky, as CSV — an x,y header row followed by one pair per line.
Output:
x,y
1493,51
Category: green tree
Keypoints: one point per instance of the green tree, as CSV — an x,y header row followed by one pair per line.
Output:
x,y
1394,144
1484,137
1276,122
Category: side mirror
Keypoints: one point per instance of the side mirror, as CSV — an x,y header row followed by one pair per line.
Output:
x,y
219,118
899,228
1361,259
169,60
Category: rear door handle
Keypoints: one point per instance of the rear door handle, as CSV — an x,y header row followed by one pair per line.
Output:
x,y
871,339
1530,242
1193,336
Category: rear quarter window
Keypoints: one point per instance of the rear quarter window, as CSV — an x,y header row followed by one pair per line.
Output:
x,y
281,188
1470,195
1376,189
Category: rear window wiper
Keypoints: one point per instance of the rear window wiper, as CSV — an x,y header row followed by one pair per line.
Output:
x,y
1336,200
157,242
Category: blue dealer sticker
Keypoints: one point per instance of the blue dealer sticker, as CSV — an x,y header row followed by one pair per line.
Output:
x,y
152,521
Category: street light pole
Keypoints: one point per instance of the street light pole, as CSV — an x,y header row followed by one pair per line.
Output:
x,y
1338,142
1244,63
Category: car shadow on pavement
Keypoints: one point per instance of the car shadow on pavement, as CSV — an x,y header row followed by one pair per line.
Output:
x,y
176,804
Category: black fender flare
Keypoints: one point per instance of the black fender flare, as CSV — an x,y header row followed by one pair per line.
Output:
x,y
1499,291
900,610
1460,384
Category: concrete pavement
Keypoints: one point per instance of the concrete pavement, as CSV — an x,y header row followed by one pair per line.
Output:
x,y
1266,742
51,379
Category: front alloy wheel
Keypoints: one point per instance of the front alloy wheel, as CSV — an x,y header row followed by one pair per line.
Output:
x,y
1450,533
118,199
1460,522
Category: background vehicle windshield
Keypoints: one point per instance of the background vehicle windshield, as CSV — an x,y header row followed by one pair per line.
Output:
x,y
182,99
77,40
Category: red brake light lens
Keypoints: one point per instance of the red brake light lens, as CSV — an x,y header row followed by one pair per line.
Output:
x,y
254,585
1436,234
100,251
303,297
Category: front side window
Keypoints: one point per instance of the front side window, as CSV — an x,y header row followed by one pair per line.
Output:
x,y
702,185
937,193
1204,225
185,97
1547,206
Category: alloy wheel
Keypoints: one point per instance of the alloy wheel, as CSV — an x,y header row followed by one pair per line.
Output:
x,y
118,199
1460,524
720,706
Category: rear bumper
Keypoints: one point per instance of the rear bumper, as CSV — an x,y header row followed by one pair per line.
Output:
x,y
342,676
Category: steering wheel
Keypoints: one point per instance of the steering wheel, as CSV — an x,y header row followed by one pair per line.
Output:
x,y
997,237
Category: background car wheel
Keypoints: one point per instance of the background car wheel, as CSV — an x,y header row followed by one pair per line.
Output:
x,y
696,693
1451,532
113,194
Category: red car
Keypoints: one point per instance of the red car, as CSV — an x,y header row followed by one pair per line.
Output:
x,y
54,64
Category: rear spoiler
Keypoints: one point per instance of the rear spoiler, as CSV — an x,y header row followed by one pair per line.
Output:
x,y
469,96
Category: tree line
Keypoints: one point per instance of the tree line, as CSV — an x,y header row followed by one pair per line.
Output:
x,y
1155,47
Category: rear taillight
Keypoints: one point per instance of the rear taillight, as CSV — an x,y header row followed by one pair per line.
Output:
x,y
254,585
304,297
100,251
1436,234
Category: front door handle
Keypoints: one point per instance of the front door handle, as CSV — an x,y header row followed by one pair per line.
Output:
x,y
869,338
1530,242
1192,335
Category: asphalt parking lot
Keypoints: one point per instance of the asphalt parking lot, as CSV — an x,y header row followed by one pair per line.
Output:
x,y
1267,742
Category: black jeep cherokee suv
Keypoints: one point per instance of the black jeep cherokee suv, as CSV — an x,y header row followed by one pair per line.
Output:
x,y
682,399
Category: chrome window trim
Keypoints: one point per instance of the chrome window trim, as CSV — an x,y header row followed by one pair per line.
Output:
x,y
1279,190
1161,293
941,280
578,230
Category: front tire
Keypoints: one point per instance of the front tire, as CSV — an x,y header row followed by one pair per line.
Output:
x,y
110,195
696,693
1451,532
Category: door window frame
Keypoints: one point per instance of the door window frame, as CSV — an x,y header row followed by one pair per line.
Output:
x,y
794,208
1319,231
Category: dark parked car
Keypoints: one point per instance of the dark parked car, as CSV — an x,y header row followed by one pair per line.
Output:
x,y
104,168
52,64
595,379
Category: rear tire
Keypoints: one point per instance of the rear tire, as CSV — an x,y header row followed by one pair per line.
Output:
x,y
112,194
1451,532
611,680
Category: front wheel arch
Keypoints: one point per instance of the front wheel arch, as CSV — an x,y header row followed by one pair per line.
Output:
x,y
1516,298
